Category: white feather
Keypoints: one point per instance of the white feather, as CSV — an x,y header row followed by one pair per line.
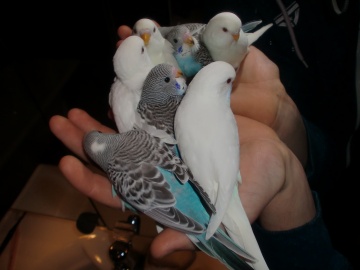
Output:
x,y
160,50
131,66
219,38
207,136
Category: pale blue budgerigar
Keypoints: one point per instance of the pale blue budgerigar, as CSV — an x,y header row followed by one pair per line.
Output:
x,y
226,40
161,95
131,65
208,140
190,54
159,49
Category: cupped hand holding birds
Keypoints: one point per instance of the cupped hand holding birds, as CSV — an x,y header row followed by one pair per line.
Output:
x,y
150,177
271,174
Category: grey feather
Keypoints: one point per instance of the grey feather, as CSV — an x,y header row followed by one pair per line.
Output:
x,y
131,160
160,97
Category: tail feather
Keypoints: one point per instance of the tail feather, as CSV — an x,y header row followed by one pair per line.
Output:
x,y
225,240
239,229
252,37
214,248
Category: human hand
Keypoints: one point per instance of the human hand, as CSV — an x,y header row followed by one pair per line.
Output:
x,y
272,175
272,178
123,32
70,131
259,94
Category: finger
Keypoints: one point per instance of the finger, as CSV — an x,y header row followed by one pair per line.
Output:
x,y
93,185
69,134
85,122
169,241
256,67
124,31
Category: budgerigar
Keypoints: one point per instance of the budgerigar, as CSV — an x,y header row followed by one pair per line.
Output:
x,y
190,54
208,140
131,65
162,92
133,162
159,49
148,176
161,95
226,40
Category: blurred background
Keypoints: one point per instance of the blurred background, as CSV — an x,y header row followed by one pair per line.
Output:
x,y
54,58
58,55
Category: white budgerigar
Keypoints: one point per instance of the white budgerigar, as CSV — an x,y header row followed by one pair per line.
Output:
x,y
208,140
131,65
159,49
227,39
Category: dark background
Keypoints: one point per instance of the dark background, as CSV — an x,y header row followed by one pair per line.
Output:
x,y
58,55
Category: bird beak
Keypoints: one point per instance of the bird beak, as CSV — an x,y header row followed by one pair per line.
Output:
x,y
236,37
178,74
146,38
189,40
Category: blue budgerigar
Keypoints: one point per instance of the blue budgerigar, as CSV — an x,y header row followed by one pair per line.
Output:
x,y
131,66
208,140
190,54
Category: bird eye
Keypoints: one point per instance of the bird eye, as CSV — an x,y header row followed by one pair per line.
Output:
x,y
142,50
225,29
167,79
154,30
175,40
228,80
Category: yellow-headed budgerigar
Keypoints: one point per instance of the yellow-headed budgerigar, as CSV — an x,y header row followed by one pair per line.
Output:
x,y
208,141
